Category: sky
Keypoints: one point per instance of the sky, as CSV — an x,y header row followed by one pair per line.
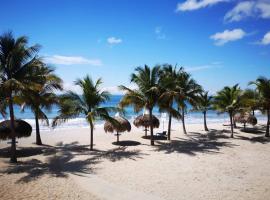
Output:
x,y
220,42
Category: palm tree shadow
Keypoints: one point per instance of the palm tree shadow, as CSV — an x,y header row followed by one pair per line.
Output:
x,y
155,137
254,130
58,165
118,154
259,139
63,160
196,143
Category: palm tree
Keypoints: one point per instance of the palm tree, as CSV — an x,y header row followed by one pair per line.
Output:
x,y
204,104
169,91
188,93
41,98
88,104
147,94
263,87
227,100
3,102
17,63
250,101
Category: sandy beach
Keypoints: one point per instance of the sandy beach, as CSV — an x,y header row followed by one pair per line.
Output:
x,y
199,165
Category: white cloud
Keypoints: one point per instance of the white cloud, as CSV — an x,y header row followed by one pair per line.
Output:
x,y
266,39
244,9
114,40
228,36
189,5
264,8
70,86
114,90
72,60
202,67
159,33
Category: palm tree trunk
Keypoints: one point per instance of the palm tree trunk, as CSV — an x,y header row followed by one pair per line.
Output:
x,y
231,120
151,128
91,136
38,138
145,131
268,123
204,119
183,121
169,127
234,123
13,157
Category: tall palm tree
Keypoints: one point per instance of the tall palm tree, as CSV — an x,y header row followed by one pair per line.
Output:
x,y
41,98
227,100
88,104
147,94
17,62
263,87
169,91
204,104
189,90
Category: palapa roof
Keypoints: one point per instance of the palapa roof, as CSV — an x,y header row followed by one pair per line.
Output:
x,y
122,126
245,118
144,121
22,129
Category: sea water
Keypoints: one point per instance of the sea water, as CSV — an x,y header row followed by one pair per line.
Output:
x,y
191,117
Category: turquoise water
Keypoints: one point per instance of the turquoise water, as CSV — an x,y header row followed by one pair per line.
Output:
x,y
191,117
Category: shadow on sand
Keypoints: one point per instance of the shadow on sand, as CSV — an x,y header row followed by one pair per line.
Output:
x,y
126,143
156,137
196,143
254,130
259,139
65,159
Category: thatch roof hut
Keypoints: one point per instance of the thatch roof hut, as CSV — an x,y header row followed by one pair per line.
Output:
x,y
245,118
22,129
121,125
144,121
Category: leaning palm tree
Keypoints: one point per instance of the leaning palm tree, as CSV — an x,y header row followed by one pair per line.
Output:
x,y
41,98
189,90
169,91
147,94
88,104
17,62
227,100
204,104
263,87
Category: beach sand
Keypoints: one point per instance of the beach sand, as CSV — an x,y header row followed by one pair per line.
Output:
x,y
198,165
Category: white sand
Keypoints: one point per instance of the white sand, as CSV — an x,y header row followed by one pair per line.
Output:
x,y
196,166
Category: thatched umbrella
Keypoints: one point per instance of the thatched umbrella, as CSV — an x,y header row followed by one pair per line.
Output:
x,y
121,125
144,121
22,129
245,118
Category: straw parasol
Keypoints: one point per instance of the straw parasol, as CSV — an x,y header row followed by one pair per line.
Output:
x,y
245,118
144,121
22,129
121,125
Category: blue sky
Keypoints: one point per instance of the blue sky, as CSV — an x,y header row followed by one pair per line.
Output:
x,y
220,42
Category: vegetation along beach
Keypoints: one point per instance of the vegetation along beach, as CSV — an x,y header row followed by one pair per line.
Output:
x,y
154,100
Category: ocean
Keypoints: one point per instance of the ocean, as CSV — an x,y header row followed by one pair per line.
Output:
x,y
191,117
